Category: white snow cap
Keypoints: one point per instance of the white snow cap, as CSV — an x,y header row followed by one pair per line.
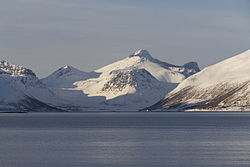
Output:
x,y
67,69
14,70
232,70
142,53
67,66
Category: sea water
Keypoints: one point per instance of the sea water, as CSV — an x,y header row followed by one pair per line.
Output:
x,y
125,139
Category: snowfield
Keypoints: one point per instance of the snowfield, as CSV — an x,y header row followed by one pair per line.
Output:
x,y
22,90
224,86
133,83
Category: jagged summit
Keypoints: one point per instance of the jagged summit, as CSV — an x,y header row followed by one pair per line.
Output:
x,y
21,90
19,74
192,67
191,64
14,70
142,53
68,67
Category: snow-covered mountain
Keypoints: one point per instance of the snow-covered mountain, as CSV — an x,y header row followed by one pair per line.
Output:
x,y
223,86
21,90
160,70
129,84
66,76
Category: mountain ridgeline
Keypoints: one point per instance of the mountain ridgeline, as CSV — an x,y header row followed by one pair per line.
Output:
x,y
133,83
224,86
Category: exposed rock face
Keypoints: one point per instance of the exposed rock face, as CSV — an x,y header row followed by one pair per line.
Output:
x,y
13,70
135,78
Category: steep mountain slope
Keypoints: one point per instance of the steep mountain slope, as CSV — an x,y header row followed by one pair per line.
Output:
x,y
127,89
22,90
160,70
129,84
223,86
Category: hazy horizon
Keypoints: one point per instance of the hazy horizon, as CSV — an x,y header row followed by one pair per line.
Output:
x,y
44,35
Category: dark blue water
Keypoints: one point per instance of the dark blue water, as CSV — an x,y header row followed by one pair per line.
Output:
x,y
125,139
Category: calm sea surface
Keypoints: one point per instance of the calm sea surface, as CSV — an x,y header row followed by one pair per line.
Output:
x,y
125,139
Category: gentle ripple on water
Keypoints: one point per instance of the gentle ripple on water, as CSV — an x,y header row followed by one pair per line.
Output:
x,y
125,139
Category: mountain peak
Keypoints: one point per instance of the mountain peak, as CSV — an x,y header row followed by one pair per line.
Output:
x,y
142,53
15,70
67,69
192,65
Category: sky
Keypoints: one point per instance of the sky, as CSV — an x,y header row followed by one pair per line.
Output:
x,y
44,35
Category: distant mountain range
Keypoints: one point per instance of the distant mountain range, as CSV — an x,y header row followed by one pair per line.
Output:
x,y
133,83
224,86
129,84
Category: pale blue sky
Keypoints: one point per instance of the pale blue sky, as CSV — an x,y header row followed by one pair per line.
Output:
x,y
46,34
